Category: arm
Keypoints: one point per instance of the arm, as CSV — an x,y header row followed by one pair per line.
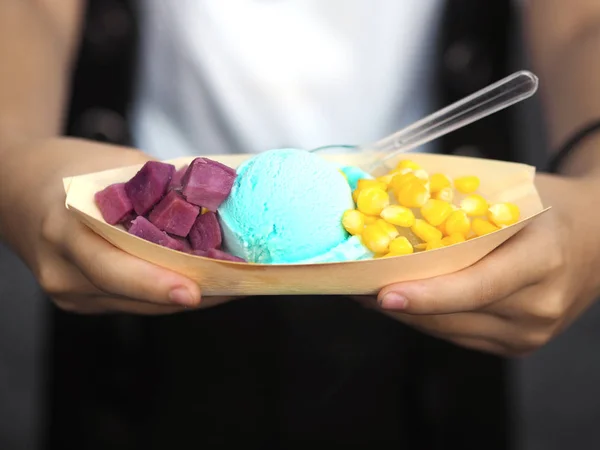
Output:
x,y
531,288
565,43
37,45
80,271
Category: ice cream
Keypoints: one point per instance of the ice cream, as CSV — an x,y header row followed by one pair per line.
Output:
x,y
286,206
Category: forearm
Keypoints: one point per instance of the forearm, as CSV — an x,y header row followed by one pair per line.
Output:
x,y
564,40
38,39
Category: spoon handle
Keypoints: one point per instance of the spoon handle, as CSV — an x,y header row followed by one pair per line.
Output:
x,y
493,98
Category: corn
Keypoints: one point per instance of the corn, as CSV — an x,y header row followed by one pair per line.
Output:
x,y
369,220
442,228
390,229
376,239
421,174
482,227
413,194
400,246
364,183
203,210
438,182
436,211
372,200
434,244
353,221
401,179
425,231
503,214
453,239
474,205
355,194
398,215
445,194
457,222
421,246
386,179
466,185
407,164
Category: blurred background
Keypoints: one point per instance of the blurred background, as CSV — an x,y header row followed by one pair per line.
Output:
x,y
54,365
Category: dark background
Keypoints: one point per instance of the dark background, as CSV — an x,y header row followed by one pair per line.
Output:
x,y
94,382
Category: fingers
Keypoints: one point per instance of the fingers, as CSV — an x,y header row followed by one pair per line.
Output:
x,y
116,272
513,266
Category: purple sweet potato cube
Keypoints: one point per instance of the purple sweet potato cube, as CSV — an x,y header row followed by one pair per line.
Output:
x,y
207,183
126,222
174,215
206,232
149,185
113,203
143,228
219,254
177,177
185,243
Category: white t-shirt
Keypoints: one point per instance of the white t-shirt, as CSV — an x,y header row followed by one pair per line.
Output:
x,y
219,76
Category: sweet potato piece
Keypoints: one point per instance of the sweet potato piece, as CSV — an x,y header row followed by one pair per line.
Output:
x,y
219,254
177,177
174,215
207,183
149,185
143,228
206,232
113,203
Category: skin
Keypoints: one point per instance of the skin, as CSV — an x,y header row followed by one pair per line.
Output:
x,y
530,289
550,265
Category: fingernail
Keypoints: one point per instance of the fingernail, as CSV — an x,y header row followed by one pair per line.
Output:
x,y
182,296
393,300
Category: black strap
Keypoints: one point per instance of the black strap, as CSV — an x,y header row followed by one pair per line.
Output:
x,y
571,145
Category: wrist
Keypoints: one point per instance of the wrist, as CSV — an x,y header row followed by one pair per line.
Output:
x,y
580,155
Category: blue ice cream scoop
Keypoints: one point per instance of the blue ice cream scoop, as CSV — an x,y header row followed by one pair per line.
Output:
x,y
286,206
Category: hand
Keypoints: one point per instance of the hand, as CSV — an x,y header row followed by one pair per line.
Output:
x,y
525,292
79,270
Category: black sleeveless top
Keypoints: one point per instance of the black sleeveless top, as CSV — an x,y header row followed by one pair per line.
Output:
x,y
275,372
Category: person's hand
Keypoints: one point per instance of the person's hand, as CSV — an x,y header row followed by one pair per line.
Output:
x,y
521,295
79,270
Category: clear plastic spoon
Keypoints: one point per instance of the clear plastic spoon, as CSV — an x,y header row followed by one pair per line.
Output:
x,y
493,98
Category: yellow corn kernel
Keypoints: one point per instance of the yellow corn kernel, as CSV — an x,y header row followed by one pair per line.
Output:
x,y
425,231
386,179
445,194
474,205
482,226
401,179
413,194
376,239
421,174
421,246
390,229
434,244
407,164
353,221
442,228
364,183
370,219
436,211
401,246
457,222
372,200
398,215
453,239
355,193
203,210
467,185
438,182
503,214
